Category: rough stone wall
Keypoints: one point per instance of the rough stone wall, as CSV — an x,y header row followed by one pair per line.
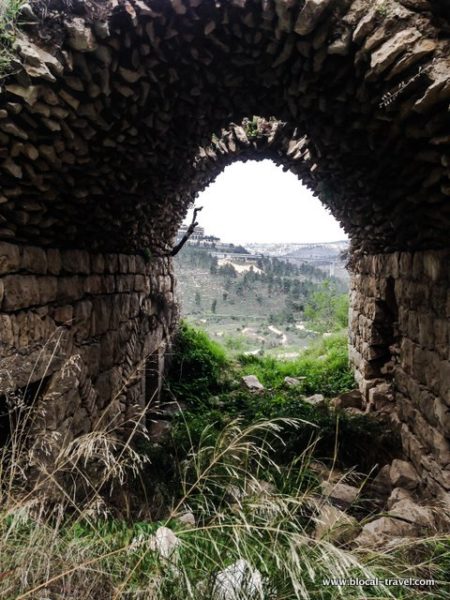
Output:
x,y
117,113
399,338
110,104
83,332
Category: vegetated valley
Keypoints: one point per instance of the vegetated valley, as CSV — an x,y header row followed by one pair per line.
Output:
x,y
258,304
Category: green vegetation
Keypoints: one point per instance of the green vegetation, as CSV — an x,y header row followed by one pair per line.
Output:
x,y
242,465
213,398
9,14
327,309
324,366
270,306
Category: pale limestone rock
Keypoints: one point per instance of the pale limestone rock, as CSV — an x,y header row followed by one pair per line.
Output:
x,y
81,37
237,581
398,494
165,542
411,512
335,525
380,531
293,381
187,519
315,400
403,474
342,493
252,383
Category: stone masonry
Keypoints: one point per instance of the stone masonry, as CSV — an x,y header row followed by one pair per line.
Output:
x,y
116,113
90,327
399,346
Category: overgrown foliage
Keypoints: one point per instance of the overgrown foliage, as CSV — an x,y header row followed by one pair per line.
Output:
x,y
212,397
9,15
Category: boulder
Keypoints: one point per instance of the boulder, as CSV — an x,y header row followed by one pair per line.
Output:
x,y
187,519
335,525
252,383
315,400
352,399
382,530
343,494
81,37
398,494
403,474
239,580
381,484
406,509
165,542
293,381
310,15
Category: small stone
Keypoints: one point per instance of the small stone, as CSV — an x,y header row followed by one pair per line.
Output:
x,y
344,494
239,580
165,542
293,381
81,37
315,400
187,519
252,383
403,474
335,525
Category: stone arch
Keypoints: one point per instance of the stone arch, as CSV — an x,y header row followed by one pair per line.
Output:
x,y
117,113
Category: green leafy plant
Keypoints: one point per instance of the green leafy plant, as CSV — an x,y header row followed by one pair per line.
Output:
x,y
9,15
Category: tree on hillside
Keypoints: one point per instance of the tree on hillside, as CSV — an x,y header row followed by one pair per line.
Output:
x,y
214,306
327,309
198,299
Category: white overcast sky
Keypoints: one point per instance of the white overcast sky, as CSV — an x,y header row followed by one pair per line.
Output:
x,y
259,202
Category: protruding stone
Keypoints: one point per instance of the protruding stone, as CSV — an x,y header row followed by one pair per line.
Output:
x,y
403,474
81,37
310,15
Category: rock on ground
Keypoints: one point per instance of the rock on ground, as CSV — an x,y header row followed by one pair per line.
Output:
x,y
239,580
403,474
252,383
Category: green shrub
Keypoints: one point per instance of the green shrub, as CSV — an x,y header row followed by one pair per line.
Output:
x,y
324,365
197,365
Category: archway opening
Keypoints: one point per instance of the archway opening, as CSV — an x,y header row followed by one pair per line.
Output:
x,y
264,271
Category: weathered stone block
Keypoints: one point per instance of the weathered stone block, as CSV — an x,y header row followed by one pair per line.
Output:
x,y
70,289
94,284
435,264
75,261
53,261
20,291
34,260
63,314
9,258
48,289
97,263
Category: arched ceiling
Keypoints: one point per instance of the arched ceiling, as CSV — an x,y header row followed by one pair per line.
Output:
x,y
117,112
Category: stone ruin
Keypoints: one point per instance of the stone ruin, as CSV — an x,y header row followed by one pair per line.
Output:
x,y
116,113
